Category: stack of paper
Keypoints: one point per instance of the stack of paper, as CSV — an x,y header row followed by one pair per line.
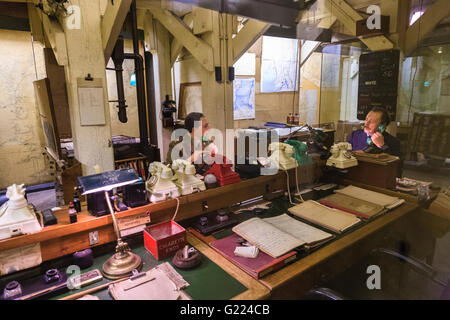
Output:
x,y
279,235
381,199
332,219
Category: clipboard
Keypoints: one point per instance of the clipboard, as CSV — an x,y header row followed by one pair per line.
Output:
x,y
91,101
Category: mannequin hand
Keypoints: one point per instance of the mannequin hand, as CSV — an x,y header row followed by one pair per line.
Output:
x,y
378,139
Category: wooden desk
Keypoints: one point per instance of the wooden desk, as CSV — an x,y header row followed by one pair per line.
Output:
x,y
294,280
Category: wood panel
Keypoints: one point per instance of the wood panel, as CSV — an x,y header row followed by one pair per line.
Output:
x,y
58,91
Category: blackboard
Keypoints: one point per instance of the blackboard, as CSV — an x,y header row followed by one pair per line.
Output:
x,y
378,82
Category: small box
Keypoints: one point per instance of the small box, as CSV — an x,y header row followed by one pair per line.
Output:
x,y
164,239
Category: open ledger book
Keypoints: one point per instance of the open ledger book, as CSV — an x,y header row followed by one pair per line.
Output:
x,y
279,235
332,219
358,207
381,199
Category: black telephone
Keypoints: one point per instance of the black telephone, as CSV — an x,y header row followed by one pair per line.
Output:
x,y
167,110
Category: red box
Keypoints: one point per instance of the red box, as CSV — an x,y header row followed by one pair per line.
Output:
x,y
164,239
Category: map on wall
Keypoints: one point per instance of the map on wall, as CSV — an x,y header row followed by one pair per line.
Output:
x,y
245,66
244,98
279,66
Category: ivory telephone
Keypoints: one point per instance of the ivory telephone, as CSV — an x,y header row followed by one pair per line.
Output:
x,y
160,185
341,157
282,155
185,178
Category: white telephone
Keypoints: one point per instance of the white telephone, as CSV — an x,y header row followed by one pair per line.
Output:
x,y
281,155
185,178
341,157
16,215
160,185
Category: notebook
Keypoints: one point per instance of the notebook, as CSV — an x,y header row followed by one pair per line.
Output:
x,y
278,235
257,267
381,199
361,208
335,220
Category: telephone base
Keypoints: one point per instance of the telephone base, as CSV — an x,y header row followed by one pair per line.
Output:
x,y
191,187
342,164
212,223
156,195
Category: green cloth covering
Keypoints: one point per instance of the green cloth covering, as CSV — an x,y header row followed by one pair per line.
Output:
x,y
206,282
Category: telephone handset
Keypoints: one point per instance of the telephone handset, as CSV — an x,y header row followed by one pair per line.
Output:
x,y
381,128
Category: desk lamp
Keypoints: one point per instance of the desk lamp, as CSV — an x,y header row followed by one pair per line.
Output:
x,y
123,261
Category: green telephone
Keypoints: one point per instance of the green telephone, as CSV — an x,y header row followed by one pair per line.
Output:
x,y
381,129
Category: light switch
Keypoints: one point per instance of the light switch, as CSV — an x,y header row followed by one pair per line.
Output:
x,y
93,238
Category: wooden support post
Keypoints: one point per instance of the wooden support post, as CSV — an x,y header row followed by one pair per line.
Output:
x,y
349,16
112,22
196,46
35,23
85,55
202,20
176,45
56,38
251,32
149,34
157,42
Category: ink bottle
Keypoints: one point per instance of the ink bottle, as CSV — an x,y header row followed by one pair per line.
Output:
x,y
76,202
72,213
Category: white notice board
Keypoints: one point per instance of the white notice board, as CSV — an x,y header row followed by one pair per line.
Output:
x,y
91,102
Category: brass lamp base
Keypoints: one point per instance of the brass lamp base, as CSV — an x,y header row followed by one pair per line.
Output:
x,y
121,264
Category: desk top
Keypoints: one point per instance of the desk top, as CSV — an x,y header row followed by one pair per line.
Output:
x,y
214,272
314,265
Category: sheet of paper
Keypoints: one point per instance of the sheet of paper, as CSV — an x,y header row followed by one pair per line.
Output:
x,y
331,219
92,109
154,285
266,237
298,229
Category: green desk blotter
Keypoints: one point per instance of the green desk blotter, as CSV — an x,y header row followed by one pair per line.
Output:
x,y
206,282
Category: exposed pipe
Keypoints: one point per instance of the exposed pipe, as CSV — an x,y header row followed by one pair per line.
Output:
x,y
140,82
151,104
118,57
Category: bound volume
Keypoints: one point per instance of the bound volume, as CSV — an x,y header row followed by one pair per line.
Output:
x,y
278,235
257,267
335,220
